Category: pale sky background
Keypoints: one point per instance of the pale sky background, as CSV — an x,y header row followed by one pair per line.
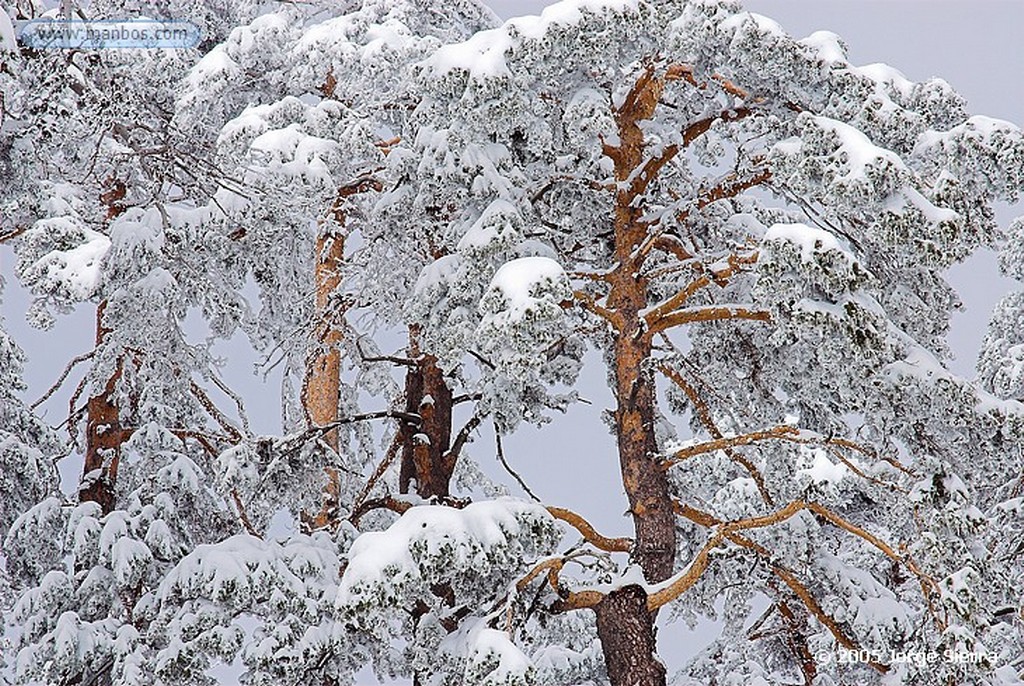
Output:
x,y
976,45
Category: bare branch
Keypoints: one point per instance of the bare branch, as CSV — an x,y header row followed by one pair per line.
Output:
x,y
215,412
242,515
589,533
587,302
736,262
704,414
13,233
386,502
235,398
460,441
382,467
713,313
508,468
295,442
64,375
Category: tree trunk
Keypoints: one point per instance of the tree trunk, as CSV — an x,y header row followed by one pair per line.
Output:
x,y
426,459
103,431
625,626
322,387
103,436
627,638
425,448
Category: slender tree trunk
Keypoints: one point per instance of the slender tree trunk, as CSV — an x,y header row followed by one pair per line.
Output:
x,y
103,431
103,436
322,386
425,449
625,626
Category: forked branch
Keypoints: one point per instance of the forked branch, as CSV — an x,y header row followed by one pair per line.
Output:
x,y
704,414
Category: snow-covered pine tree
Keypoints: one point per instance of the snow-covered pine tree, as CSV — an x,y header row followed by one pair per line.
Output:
x,y
307,159
96,218
765,226
746,217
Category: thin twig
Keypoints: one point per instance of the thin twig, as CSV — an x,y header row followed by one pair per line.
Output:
x,y
60,381
508,468
239,405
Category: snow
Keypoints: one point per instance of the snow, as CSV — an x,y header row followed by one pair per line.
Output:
x,y
808,239
243,568
822,469
8,41
518,280
399,552
826,46
884,75
76,271
978,128
489,227
859,150
484,54
489,644
763,24
912,197
438,273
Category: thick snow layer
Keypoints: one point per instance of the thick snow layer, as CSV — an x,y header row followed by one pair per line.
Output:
x,y
884,75
438,273
826,46
859,150
980,129
808,239
823,470
518,279
764,24
242,569
75,272
395,554
910,196
484,54
8,41
490,652
489,227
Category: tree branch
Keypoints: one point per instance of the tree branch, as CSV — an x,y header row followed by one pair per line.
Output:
x,y
587,302
460,441
589,533
508,468
711,313
386,503
704,414
215,413
382,467
64,375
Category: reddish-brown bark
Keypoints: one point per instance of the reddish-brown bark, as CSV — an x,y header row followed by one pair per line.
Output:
x,y
322,386
426,458
625,625
103,436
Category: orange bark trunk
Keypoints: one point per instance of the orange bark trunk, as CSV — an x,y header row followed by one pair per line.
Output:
x,y
625,626
322,387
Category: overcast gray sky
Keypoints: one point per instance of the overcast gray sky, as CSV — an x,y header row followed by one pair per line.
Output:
x,y
976,45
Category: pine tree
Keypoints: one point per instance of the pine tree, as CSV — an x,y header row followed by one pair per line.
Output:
x,y
765,227
424,220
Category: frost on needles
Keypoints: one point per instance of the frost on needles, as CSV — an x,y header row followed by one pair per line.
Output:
x,y
421,220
